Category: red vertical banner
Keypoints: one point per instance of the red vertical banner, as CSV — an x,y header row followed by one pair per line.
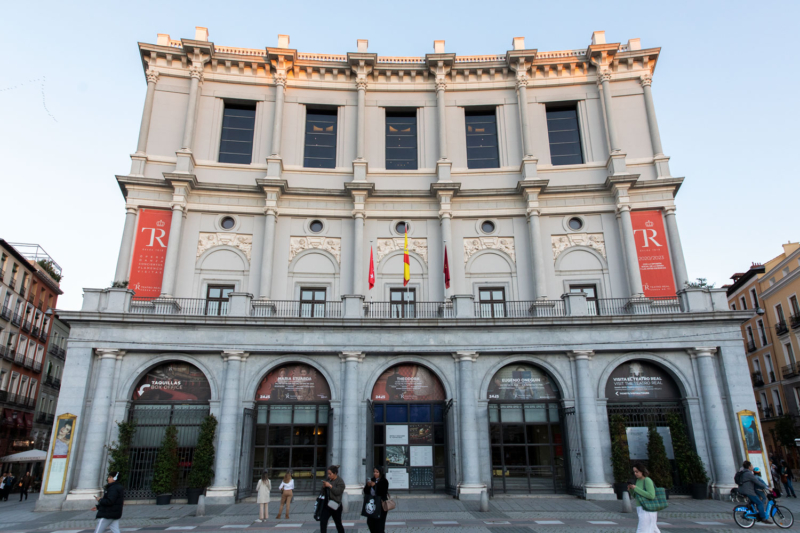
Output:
x,y
150,252
651,249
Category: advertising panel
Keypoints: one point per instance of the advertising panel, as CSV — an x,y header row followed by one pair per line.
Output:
x,y
150,252
522,382
640,380
295,382
651,249
751,438
408,383
173,382
59,455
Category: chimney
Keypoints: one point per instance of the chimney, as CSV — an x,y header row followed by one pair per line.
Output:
x,y
599,37
163,39
363,45
283,41
438,47
634,44
200,33
518,43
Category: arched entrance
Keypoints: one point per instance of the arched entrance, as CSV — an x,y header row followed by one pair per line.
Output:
x,y
408,430
174,393
292,427
526,431
643,393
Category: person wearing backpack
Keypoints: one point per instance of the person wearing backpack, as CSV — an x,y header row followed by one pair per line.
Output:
x,y
786,479
644,488
748,483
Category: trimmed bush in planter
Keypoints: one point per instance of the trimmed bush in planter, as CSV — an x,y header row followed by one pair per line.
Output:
x,y
690,466
165,469
202,473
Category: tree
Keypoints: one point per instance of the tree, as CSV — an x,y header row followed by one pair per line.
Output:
x,y
203,459
657,461
620,457
119,453
690,466
50,267
165,469
786,431
700,284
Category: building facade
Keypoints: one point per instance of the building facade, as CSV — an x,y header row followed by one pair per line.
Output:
x,y
268,206
52,370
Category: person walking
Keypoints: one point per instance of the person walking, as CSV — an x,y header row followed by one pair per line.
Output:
x,y
787,478
25,485
3,481
287,490
333,505
644,488
263,489
378,486
748,484
9,485
109,507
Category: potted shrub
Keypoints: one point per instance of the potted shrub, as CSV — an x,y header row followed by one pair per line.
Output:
x,y
202,472
165,469
690,466
620,458
119,453
657,462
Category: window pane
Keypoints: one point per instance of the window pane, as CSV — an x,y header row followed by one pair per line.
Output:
x,y
280,435
513,434
396,413
303,436
236,141
537,434
482,139
378,435
378,413
438,434
420,413
280,414
539,455
514,455
535,414
322,436
438,413
401,141
320,143
303,457
564,136
305,414
277,457
511,413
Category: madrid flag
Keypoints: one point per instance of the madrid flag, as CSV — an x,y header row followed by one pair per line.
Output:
x,y
406,262
371,270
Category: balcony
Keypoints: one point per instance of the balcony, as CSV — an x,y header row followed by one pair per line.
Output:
x,y
5,313
29,363
178,306
19,358
37,366
57,383
11,398
296,309
30,402
758,381
53,350
26,326
751,346
62,353
795,320
790,371
13,283
780,328
48,381
7,353
772,377
16,319
35,331
41,417
49,419
43,335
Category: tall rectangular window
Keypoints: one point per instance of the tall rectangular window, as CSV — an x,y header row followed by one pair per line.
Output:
x,y
312,302
217,299
238,123
320,149
754,297
762,333
482,149
564,135
402,302
401,140
493,302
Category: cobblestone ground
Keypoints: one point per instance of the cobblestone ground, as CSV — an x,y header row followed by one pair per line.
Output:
x,y
429,514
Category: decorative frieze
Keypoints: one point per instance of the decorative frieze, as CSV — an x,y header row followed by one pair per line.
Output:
x,y
418,246
208,241
473,245
332,245
591,240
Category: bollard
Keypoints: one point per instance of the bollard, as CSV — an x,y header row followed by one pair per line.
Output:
x,y
626,502
201,506
485,501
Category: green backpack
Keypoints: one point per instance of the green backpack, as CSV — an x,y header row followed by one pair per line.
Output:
x,y
659,503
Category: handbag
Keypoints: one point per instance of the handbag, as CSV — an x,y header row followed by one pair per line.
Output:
x,y
389,504
371,509
318,505
659,503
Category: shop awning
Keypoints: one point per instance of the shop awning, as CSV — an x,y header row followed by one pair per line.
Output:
x,y
31,456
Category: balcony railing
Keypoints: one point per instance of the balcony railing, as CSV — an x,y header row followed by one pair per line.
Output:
x,y
296,309
790,371
62,353
772,376
634,306
5,313
768,412
30,402
12,398
3,396
57,383
179,306
26,326
795,320
37,366
520,309
19,358
41,417
53,350
49,418
418,310
751,346
16,319
35,331
758,381
43,335
780,328
13,283
29,362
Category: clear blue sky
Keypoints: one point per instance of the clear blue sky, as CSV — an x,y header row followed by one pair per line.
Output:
x,y
724,92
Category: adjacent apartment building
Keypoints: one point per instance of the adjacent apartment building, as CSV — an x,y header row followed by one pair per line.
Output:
x,y
456,267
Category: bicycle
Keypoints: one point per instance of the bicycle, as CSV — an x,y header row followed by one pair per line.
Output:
x,y
746,516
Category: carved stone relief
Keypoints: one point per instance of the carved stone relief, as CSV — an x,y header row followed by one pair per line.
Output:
x,y
332,245
210,240
473,245
418,246
591,240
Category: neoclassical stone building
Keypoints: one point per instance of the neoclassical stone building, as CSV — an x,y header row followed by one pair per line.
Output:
x,y
265,184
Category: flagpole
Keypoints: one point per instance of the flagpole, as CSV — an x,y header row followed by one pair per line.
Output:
x,y
445,260
370,256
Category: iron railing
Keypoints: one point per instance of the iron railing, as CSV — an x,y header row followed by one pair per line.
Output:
x,y
16,319
53,350
3,397
772,376
5,313
43,335
37,366
411,310
520,309
178,306
661,305
50,418
11,398
295,309
790,371
13,283
8,355
795,320
29,362
19,358
781,328
40,418
26,326
758,380
35,331
751,346
57,383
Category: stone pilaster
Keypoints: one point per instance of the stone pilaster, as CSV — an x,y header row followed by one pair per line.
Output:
x,y
185,163
470,487
659,159
173,248
268,254
531,189
351,421
676,249
126,246
139,159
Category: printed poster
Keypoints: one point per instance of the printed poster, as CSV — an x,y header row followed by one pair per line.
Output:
x,y
522,382
639,380
651,249
295,382
396,435
422,456
397,456
150,252
397,478
751,438
59,455
173,382
408,383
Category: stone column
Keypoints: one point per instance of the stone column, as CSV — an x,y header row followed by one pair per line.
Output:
x,y
631,259
522,100
126,247
144,129
361,85
675,248
351,443
471,486
224,490
595,484
277,125
268,255
196,73
537,257
94,440
652,123
358,253
441,85
605,82
173,248
715,419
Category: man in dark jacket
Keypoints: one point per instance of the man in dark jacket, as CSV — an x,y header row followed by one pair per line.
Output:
x,y
109,507
24,485
10,481
749,483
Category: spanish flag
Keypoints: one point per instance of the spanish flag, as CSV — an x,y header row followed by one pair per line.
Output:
x,y
406,262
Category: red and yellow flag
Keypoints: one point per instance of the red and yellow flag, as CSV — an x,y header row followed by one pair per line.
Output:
x,y
406,262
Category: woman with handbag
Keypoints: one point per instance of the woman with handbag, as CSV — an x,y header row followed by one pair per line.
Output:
x,y
287,490
644,489
786,479
263,488
333,506
378,487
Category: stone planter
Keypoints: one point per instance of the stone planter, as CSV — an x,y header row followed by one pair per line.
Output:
x,y
193,495
699,491
163,499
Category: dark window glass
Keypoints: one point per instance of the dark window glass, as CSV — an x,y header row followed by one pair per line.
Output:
x,y
378,414
320,150
482,139
280,435
397,413
513,434
420,413
565,138
487,226
493,302
236,144
312,303
438,413
400,227
400,309
575,223
591,297
217,299
315,226
401,140
438,434
228,223
378,434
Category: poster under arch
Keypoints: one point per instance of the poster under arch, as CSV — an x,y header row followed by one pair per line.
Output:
x,y
293,382
173,381
408,382
522,381
637,381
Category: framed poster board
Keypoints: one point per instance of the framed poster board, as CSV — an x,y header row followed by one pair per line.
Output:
x,y
397,478
753,445
60,453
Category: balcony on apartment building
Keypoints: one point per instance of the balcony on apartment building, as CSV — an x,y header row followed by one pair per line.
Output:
x,y
795,320
781,328
758,380
5,313
751,346
16,319
790,371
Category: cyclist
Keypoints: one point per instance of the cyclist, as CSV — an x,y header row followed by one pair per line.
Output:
x,y
748,483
